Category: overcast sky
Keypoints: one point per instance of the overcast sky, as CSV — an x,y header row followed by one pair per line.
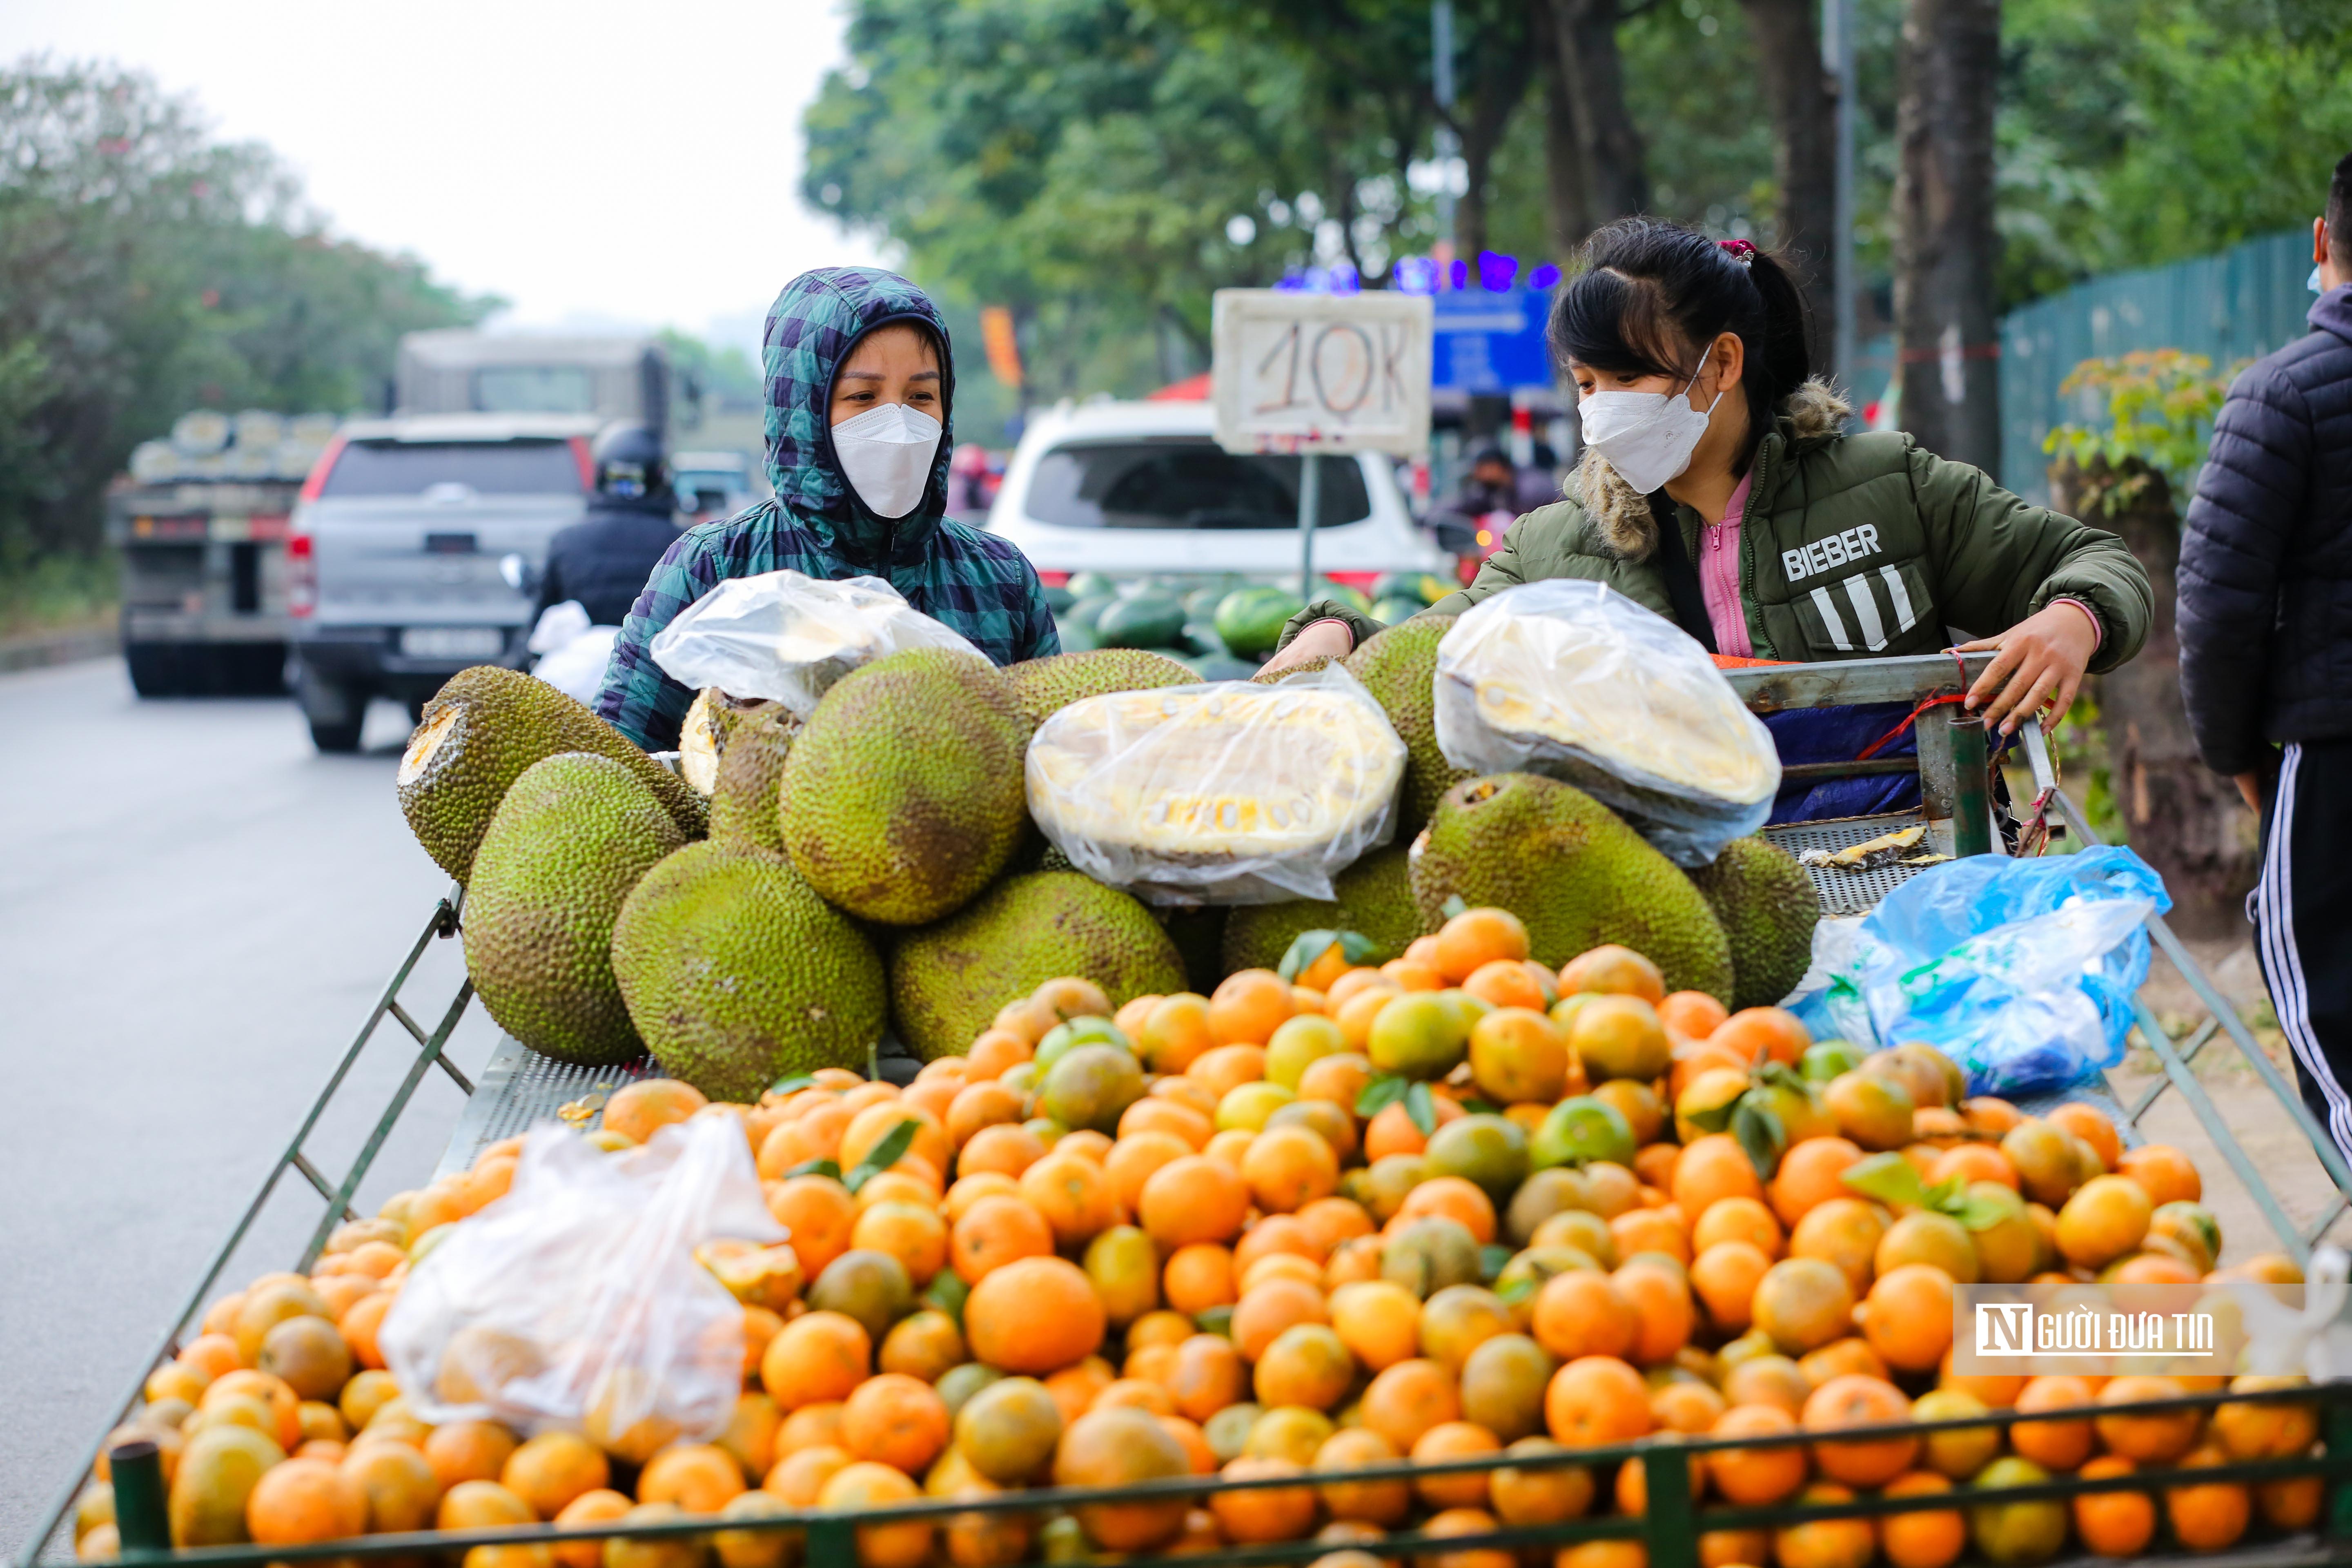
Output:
x,y
597,164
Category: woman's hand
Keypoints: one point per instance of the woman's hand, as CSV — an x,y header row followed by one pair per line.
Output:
x,y
1324,637
2040,662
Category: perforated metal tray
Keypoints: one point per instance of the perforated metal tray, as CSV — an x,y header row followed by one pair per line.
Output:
x,y
1847,892
520,1089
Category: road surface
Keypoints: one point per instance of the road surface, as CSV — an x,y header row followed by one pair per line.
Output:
x,y
197,911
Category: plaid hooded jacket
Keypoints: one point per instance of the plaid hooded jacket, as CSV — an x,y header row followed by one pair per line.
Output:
x,y
977,585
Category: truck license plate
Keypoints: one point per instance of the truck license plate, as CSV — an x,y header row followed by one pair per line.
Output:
x,y
452,642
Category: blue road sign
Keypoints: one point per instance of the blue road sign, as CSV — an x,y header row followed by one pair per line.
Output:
x,y
1491,342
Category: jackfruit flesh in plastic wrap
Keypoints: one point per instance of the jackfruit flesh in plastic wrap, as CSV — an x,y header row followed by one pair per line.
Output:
x,y
1569,679
1224,792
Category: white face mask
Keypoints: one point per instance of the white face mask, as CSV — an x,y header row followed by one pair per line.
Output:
x,y
1646,437
885,454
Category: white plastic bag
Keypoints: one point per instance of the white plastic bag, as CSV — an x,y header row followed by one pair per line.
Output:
x,y
1569,679
575,1300
1224,793
788,637
577,668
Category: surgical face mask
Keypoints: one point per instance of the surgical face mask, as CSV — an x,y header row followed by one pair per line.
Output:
x,y
885,454
1646,437
2313,283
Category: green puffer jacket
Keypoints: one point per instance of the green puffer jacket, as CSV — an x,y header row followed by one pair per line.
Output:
x,y
1850,547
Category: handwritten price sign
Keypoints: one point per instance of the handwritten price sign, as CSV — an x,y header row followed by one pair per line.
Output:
x,y
1321,373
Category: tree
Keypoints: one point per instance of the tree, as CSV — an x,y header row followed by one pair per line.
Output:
x,y
1803,99
1592,77
1947,250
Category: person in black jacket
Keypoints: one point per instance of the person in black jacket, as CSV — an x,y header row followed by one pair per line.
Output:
x,y
2265,625
602,561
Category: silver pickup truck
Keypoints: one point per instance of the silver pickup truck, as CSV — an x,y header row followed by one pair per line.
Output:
x,y
398,554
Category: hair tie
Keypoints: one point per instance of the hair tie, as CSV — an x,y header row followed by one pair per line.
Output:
x,y
1741,251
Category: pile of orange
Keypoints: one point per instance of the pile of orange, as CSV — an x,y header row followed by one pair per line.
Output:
x,y
1453,1206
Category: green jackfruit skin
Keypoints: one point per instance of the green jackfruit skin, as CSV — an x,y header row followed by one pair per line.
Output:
x,y
1767,906
747,806
1375,898
1399,668
903,794
1573,872
737,974
947,981
1310,667
478,734
573,836
1044,686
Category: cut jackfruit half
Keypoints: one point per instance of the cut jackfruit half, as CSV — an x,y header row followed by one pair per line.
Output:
x,y
1221,793
703,735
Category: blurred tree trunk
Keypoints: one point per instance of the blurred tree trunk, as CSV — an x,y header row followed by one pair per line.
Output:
x,y
2184,819
1945,246
1804,98
1616,169
1496,68
1567,189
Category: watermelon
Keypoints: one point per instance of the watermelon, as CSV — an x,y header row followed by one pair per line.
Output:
x,y
1147,620
1250,620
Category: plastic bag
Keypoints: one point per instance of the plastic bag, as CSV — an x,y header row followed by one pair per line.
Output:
x,y
1573,681
788,637
573,653
2022,972
1224,792
575,1300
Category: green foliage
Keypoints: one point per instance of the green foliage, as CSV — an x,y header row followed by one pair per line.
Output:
x,y
2158,407
145,269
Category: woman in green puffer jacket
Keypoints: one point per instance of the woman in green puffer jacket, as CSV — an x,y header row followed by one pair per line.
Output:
x,y
1717,490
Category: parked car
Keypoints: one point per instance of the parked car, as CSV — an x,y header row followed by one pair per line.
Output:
x,y
413,550
710,485
1136,489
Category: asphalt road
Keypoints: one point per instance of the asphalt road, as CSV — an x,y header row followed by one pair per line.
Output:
x,y
197,911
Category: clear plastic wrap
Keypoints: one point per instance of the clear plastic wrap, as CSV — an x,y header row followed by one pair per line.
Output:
x,y
575,1300
1569,679
788,637
1224,793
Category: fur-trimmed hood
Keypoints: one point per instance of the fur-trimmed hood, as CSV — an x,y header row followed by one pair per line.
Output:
x,y
1812,413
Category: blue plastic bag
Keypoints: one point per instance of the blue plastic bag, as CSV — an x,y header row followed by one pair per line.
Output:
x,y
2022,972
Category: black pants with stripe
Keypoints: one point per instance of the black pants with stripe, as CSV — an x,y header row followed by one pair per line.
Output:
x,y
2302,923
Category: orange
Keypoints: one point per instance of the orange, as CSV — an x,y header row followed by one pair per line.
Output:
x,y
1616,971
936,1095
1207,1376
1340,1078
1841,1358
1455,1198
1070,996
1032,1316
1140,1153
1378,1320
857,1487
598,1506
2117,1523
877,1121
2089,1124
1908,1316
2106,1218
1413,974
469,1451
1736,1219
401,1490
1266,1312
2164,1173
1693,1015
819,1357
820,1215
2211,1517
1006,1148
1762,1034
643,1108
1193,1199
1073,1193
1330,1221
1263,1515
896,1420
1580,1313
1973,1162
1407,1399
479,1505
1929,1539
1228,1146
1247,1006
969,1190
1859,1401
994,1051
996,1231
1502,982
1844,1232
697,1477
1725,1278
1686,1407
1663,1314
800,1476
1596,1400
2157,1439
1306,1365
303,1501
1288,1167
2291,1505
1479,937
1454,1440
1075,1388
1655,1164
1227,1067
1457,1319
1751,1478
2052,1444
1381,1503
914,1233
1834,1542
2265,1431
749,1437
1154,1113
1197,1278
1174,1033
1711,1169
1604,1554
1803,1303
814,1134
1118,1447
986,1103
215,1356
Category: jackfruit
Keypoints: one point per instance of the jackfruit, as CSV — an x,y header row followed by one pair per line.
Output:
x,y
1042,686
572,839
902,794
1310,667
478,734
1397,667
1375,898
703,735
948,981
1765,904
736,974
1573,872
1227,793
747,802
